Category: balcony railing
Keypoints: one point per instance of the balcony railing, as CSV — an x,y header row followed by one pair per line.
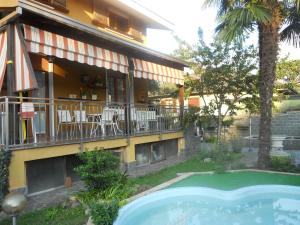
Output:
x,y
27,122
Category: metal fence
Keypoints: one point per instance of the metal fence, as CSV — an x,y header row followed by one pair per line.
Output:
x,y
36,121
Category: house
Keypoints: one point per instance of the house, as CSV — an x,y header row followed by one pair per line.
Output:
x,y
74,76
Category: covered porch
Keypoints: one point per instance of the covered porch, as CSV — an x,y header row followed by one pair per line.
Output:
x,y
74,92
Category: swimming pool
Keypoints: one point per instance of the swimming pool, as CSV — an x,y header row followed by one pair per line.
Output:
x,y
261,204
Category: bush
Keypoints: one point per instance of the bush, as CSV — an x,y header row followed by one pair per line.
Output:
x,y
104,212
4,173
121,192
100,170
221,155
282,163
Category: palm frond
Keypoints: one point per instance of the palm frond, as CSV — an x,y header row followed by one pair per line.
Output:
x,y
240,20
291,33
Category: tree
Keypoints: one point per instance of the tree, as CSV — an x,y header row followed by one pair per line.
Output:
x,y
224,72
289,70
240,17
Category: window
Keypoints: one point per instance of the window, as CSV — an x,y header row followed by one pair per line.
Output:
x,y
118,23
155,152
116,90
57,4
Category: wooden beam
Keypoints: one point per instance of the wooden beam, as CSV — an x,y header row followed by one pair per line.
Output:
x,y
10,17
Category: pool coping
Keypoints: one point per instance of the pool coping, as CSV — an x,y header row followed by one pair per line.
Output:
x,y
181,176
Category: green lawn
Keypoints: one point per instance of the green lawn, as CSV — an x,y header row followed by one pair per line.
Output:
x,y
230,181
191,165
52,216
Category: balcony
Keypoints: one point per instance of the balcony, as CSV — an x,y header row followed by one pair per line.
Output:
x,y
36,122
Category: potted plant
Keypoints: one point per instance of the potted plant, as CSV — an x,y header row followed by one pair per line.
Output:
x,y
84,93
98,82
94,94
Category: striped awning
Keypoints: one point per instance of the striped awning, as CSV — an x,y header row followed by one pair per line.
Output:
x,y
44,42
153,71
24,75
3,55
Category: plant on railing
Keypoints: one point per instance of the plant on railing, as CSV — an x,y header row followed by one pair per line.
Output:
x,y
5,157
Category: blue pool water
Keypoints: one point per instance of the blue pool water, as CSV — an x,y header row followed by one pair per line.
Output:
x,y
263,204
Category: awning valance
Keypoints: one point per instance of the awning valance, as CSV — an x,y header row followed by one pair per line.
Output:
x,y
44,42
153,71
24,76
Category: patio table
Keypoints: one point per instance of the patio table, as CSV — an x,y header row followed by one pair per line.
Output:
x,y
95,118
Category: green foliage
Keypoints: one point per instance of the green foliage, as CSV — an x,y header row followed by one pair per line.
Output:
x,y
236,144
289,105
52,216
289,69
283,163
221,156
118,191
224,79
5,157
159,89
104,212
100,170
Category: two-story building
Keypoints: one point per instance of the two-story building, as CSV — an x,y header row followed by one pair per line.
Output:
x,y
73,76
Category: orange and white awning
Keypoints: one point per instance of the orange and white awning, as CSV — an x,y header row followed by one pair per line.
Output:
x,y
3,55
44,42
24,75
153,71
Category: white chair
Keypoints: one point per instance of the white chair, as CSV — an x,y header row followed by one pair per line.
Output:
x,y
80,118
110,118
27,113
64,118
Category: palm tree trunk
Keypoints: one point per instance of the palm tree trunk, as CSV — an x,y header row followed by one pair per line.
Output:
x,y
268,50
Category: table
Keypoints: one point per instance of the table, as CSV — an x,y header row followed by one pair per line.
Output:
x,y
95,118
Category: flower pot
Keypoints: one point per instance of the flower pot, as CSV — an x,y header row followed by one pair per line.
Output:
x,y
84,97
94,97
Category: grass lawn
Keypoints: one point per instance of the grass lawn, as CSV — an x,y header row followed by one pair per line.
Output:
x,y
52,216
191,165
230,181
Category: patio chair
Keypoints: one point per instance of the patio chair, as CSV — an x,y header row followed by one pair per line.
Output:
x,y
110,118
80,118
27,113
64,118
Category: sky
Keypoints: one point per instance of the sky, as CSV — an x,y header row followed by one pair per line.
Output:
x,y
187,16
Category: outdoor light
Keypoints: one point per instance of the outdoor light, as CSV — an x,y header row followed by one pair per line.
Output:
x,y
13,204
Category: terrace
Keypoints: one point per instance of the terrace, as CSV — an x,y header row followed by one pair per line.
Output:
x,y
37,122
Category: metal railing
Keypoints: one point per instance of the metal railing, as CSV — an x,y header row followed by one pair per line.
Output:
x,y
36,121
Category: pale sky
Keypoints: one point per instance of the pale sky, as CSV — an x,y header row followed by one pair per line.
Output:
x,y
188,15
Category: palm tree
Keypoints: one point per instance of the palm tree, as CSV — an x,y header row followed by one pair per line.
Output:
x,y
274,20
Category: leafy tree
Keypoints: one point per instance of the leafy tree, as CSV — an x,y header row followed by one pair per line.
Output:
x,y
224,72
289,70
240,17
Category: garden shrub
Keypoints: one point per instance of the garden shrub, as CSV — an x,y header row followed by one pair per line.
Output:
x,y
282,163
4,173
221,155
100,170
104,212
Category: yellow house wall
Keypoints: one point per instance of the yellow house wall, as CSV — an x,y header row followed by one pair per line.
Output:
x,y
17,178
8,3
82,10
